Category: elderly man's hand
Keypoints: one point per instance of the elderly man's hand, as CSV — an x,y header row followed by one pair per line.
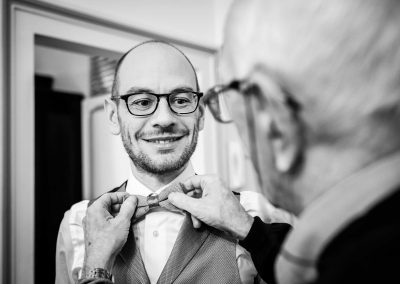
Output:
x,y
217,207
106,228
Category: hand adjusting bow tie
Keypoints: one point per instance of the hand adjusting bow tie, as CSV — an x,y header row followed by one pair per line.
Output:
x,y
146,203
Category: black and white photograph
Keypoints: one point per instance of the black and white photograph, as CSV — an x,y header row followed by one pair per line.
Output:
x,y
199,141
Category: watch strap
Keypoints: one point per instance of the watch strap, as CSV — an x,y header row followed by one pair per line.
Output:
x,y
96,273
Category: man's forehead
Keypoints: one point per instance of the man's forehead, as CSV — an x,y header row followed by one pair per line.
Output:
x,y
156,66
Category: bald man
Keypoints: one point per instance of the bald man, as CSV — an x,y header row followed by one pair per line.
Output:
x,y
156,109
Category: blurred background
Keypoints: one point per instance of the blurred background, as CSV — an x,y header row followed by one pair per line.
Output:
x,y
57,63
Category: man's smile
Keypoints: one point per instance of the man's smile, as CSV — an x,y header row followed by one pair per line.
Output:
x,y
163,139
164,142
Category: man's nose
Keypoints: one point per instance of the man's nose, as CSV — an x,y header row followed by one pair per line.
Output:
x,y
163,116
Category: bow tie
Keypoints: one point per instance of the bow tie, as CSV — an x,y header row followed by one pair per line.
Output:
x,y
146,203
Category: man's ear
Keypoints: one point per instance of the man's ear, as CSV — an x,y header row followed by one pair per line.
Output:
x,y
278,121
284,135
202,110
111,109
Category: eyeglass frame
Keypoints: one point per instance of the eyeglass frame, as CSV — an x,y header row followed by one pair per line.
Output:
x,y
158,96
239,86
236,85
244,87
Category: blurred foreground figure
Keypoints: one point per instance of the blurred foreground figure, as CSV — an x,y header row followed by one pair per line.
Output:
x,y
314,87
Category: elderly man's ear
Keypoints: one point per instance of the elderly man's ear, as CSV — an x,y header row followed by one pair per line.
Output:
x,y
284,136
111,111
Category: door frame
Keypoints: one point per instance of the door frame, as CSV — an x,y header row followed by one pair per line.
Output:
x,y
26,24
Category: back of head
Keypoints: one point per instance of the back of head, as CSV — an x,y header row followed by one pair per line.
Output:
x,y
339,59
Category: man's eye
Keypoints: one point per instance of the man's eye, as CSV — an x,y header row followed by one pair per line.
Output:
x,y
180,101
141,103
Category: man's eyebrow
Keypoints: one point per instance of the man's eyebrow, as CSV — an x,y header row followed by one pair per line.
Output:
x,y
138,90
147,90
182,88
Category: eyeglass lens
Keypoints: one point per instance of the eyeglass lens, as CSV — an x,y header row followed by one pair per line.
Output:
x,y
231,105
224,105
144,103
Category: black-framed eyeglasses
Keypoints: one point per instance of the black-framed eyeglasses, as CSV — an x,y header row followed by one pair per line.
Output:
x,y
146,103
217,98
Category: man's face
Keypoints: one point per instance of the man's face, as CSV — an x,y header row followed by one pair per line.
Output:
x,y
164,141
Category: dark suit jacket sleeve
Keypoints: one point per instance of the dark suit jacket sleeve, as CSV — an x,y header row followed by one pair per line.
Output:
x,y
263,243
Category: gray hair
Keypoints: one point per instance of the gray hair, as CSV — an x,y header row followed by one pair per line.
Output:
x,y
341,60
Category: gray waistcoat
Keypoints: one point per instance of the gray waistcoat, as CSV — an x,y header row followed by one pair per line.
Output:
x,y
198,256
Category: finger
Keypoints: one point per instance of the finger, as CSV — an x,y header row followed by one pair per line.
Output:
x,y
184,202
128,207
115,208
196,222
193,182
196,193
199,182
109,199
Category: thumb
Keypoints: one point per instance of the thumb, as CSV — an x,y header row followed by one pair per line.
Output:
x,y
184,202
128,207
196,222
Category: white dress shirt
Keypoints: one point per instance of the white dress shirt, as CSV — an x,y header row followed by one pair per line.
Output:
x,y
155,234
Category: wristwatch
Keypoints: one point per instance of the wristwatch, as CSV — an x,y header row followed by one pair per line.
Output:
x,y
96,273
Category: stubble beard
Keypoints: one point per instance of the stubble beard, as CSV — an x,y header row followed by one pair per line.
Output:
x,y
144,162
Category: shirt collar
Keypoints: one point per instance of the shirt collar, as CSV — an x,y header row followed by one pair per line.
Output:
x,y
134,186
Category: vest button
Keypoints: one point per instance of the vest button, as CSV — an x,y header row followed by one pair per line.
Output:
x,y
155,234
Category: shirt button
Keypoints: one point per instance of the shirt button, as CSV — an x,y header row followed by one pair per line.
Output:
x,y
155,234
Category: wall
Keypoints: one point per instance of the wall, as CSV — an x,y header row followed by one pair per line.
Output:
x,y
70,70
188,20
